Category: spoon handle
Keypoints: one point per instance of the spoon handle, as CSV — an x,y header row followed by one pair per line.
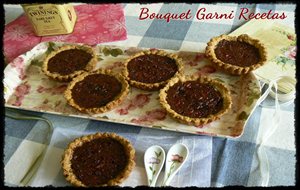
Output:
x,y
168,177
167,181
154,159
176,157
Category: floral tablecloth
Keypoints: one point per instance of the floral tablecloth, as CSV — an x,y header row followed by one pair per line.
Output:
x,y
95,24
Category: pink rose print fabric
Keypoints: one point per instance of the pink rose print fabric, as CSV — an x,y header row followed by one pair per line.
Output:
x,y
291,53
18,38
53,91
95,24
151,116
205,70
138,101
21,91
18,64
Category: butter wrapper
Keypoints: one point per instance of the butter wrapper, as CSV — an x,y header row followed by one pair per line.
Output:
x,y
51,19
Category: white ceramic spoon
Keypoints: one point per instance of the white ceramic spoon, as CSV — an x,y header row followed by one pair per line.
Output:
x,y
176,157
154,159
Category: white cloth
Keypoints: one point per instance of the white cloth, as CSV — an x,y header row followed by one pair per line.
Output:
x,y
195,172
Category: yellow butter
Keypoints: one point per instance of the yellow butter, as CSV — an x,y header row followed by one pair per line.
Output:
x,y
51,19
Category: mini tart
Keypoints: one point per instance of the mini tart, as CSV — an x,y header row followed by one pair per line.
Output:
x,y
151,70
236,55
96,92
195,100
100,159
69,61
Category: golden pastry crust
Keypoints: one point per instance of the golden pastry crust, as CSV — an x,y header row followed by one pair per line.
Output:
x,y
68,154
158,85
117,100
227,102
65,78
234,69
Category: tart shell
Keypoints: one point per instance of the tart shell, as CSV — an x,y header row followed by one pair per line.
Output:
x,y
233,69
68,154
65,78
227,102
158,85
117,100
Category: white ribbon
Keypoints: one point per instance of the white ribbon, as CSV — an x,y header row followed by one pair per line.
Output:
x,y
275,120
289,83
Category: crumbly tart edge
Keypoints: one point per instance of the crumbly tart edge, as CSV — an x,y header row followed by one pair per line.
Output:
x,y
68,154
65,78
109,106
233,69
153,86
196,121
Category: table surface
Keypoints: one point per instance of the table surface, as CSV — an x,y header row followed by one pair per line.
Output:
x,y
233,161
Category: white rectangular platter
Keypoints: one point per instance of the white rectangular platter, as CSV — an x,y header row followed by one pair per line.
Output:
x,y
26,87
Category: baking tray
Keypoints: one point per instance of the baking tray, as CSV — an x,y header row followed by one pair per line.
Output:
x,y
27,88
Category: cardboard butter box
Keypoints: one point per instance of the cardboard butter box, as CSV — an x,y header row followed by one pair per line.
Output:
x,y
51,19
